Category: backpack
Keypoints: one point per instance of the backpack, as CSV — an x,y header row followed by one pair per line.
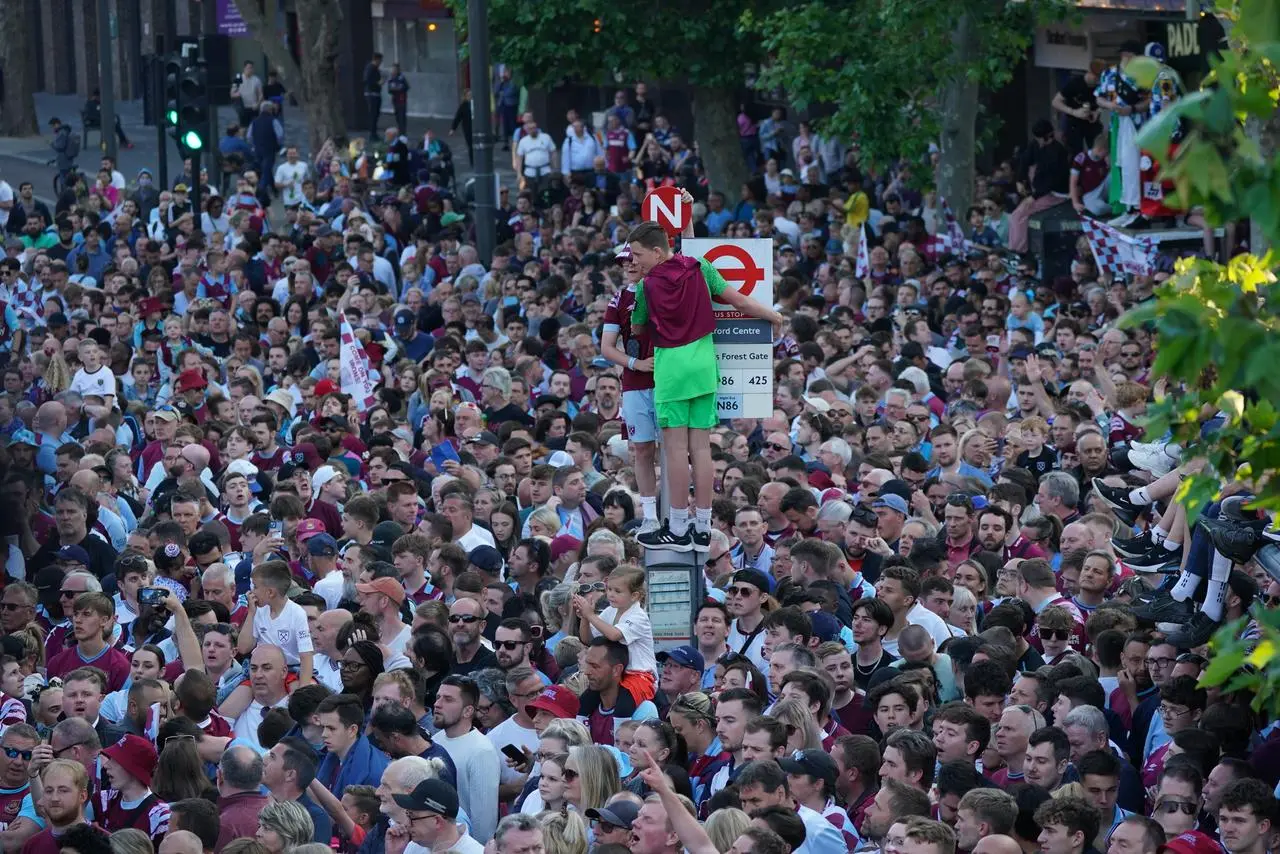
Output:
x,y
73,145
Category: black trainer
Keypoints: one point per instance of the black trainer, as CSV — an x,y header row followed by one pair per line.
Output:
x,y
1117,498
701,540
1154,559
1195,632
1236,539
663,538
1134,546
1163,608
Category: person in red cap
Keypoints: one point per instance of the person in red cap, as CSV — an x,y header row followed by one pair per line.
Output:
x,y
191,385
555,702
129,802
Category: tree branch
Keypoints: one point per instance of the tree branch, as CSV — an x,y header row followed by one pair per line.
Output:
x,y
266,34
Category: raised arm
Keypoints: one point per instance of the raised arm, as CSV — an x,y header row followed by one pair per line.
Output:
x,y
692,835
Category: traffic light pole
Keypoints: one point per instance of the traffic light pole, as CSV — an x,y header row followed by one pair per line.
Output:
x,y
106,82
482,122
195,190
162,123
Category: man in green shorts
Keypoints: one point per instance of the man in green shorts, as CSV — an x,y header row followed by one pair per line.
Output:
x,y
674,302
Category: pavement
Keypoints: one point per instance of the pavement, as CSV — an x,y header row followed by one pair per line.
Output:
x,y
27,158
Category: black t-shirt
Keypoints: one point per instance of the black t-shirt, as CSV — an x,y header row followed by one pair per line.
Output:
x,y
483,658
862,675
510,412
1077,93
1041,464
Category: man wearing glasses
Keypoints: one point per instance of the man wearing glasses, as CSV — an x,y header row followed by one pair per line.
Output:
x,y
431,813
16,749
746,634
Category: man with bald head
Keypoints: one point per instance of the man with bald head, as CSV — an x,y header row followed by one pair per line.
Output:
x,y
51,430
111,521
466,621
183,842
267,671
239,796
997,843
328,660
249,406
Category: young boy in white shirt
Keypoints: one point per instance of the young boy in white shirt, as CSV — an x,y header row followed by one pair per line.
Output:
x,y
275,620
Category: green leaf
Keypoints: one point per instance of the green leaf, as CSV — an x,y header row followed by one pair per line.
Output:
x,y
1222,666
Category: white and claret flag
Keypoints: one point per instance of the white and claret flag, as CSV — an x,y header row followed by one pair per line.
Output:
x,y
1117,252
356,380
862,268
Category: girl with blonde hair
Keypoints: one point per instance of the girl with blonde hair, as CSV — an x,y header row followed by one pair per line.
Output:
x,y
563,832
802,730
724,826
591,777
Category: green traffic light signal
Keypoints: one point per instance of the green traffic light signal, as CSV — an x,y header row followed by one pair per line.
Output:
x,y
192,140
171,116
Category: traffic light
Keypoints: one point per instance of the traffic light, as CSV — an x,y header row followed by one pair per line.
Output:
x,y
193,111
173,68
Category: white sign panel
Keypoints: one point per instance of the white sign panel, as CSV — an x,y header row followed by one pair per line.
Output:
x,y
744,346
1063,46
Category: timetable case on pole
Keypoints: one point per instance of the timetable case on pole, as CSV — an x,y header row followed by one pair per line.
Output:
x,y
744,346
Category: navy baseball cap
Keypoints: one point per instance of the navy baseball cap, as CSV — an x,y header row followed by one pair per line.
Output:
x,y
825,627
322,545
685,656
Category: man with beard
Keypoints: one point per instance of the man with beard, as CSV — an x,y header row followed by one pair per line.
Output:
x,y
605,705
432,812
994,524
287,770
1046,758
475,757
895,802
66,792
466,621
523,687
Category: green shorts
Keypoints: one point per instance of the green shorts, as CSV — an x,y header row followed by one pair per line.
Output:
x,y
697,413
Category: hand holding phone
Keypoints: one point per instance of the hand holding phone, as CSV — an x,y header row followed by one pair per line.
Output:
x,y
152,595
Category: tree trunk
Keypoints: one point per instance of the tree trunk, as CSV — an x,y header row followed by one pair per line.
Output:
x,y
715,113
318,27
315,83
18,109
959,113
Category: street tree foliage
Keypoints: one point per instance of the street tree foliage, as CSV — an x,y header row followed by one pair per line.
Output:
x,y
898,76
701,42
1218,325
18,109
315,83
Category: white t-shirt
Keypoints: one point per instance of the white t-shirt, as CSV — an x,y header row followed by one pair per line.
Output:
x,y
330,587
6,195
464,845
754,650
536,151
289,178
289,631
100,382
398,643
510,732
328,672
246,726
637,634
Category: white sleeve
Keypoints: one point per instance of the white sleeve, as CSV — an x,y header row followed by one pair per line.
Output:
x,y
635,627
301,630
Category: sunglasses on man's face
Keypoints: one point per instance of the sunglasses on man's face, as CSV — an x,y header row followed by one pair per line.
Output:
x,y
14,753
509,645
774,446
1171,807
1055,634
462,618
592,587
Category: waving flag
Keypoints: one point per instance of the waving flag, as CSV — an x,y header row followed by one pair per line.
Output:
x,y
355,367
1117,252
954,235
862,267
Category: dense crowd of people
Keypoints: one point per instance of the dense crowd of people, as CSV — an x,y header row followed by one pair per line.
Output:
x,y
949,602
